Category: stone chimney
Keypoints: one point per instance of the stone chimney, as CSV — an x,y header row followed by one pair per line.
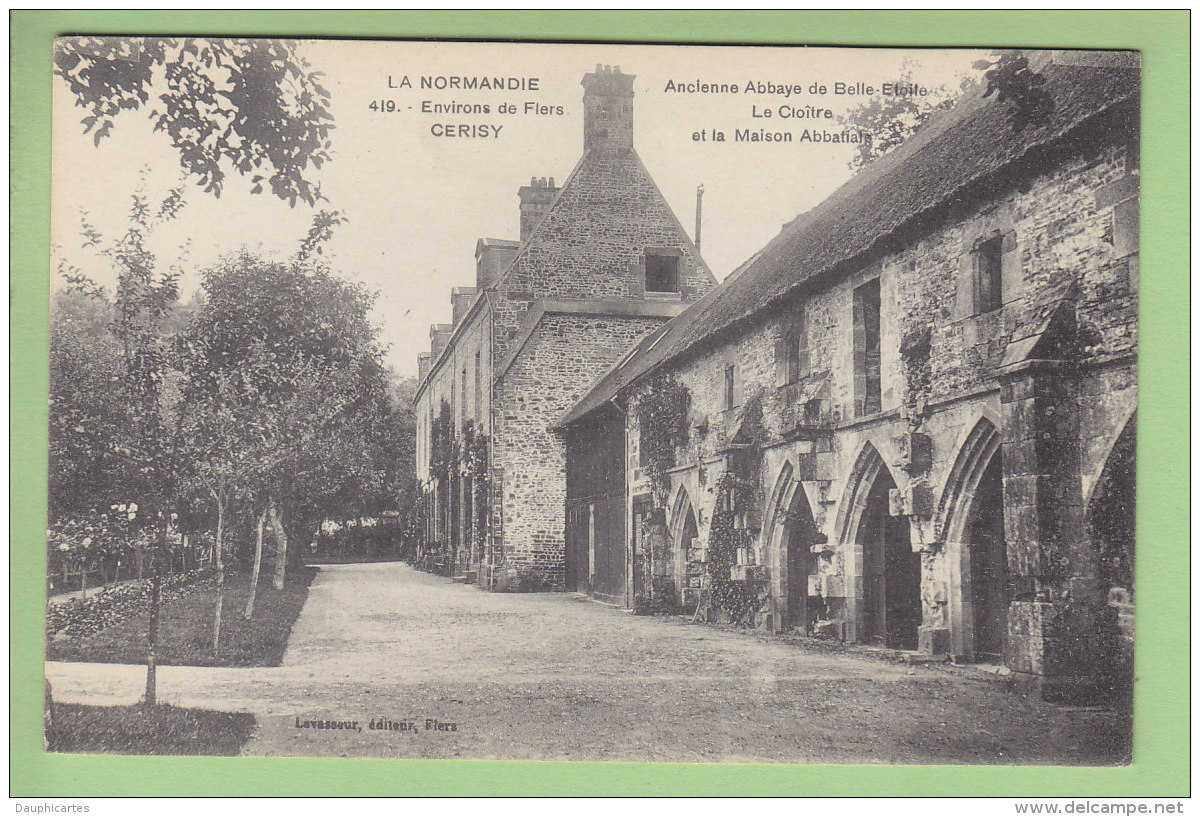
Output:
x,y
439,335
460,302
492,257
608,109
422,366
535,201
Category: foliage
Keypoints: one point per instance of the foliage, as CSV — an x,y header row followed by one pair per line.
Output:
x,y
662,600
915,350
476,459
288,395
892,119
85,363
185,624
137,730
728,533
662,415
360,540
443,449
99,542
255,106
78,617
1014,82
123,433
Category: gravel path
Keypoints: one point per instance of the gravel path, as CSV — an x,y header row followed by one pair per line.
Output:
x,y
452,671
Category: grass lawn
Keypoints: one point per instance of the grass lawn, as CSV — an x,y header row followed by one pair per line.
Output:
x,y
135,730
185,628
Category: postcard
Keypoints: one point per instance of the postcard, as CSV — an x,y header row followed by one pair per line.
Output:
x,y
593,402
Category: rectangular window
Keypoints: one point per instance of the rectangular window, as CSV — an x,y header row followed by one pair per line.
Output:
x,y
730,372
662,272
988,275
464,394
791,353
867,379
478,390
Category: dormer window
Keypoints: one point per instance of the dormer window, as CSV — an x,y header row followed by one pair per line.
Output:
x,y
988,275
662,272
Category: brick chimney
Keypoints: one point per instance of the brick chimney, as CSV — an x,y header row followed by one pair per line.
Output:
x,y
492,257
422,366
460,302
536,199
608,109
439,335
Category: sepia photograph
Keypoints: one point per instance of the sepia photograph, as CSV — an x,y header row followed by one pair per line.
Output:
x,y
592,402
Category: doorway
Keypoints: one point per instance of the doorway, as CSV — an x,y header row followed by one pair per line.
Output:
x,y
988,565
803,609
891,572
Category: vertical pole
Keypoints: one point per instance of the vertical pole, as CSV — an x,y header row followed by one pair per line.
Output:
x,y
152,639
699,197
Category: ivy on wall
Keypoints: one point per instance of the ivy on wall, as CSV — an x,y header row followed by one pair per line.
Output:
x,y
915,349
476,466
728,532
443,449
662,415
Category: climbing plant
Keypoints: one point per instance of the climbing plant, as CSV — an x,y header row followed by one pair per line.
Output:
x,y
476,465
729,531
662,415
915,349
443,450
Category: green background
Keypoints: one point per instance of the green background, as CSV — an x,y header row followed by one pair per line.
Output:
x,y
1162,714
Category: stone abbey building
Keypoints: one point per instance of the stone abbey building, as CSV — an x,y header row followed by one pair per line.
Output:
x,y
908,421
600,262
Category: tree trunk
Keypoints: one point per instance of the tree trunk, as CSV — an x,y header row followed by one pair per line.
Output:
x,y
281,546
155,609
216,637
152,640
262,517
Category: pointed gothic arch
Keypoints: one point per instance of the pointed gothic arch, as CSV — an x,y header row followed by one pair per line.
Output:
x,y
683,528
790,534
970,523
883,598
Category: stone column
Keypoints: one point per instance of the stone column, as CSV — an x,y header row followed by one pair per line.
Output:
x,y
1049,641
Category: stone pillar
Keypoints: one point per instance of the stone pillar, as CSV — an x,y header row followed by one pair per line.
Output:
x,y
1052,576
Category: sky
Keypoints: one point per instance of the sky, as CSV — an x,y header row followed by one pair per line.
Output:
x,y
416,202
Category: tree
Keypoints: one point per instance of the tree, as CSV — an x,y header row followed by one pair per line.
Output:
x,y
1010,77
892,119
139,445
219,464
255,106
85,363
288,352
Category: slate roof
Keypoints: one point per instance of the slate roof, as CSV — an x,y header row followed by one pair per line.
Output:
x,y
955,150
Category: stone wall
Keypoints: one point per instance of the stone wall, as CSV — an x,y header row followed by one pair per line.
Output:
x,y
565,354
592,243
1068,242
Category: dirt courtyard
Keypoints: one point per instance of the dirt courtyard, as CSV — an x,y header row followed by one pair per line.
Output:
x,y
449,671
